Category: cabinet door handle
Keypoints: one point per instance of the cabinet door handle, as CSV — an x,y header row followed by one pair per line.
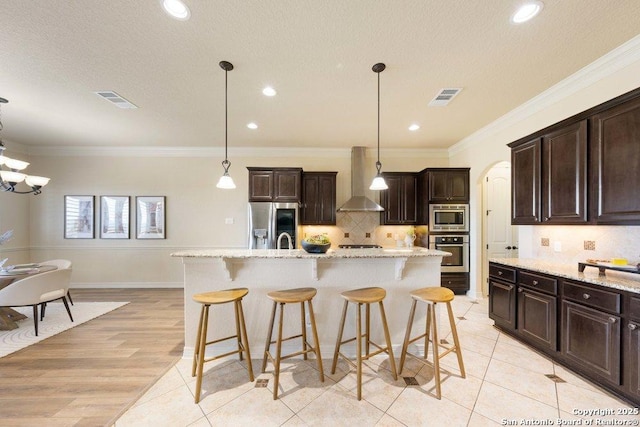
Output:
x,y
632,326
613,319
586,296
520,290
508,248
535,282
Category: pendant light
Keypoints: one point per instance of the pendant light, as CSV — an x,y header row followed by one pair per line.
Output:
x,y
226,182
378,182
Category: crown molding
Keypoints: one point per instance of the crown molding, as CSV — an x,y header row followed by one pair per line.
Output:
x,y
612,62
219,152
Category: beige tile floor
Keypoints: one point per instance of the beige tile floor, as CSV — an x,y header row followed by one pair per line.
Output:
x,y
506,383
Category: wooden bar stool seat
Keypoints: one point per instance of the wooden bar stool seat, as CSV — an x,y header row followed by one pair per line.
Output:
x,y
288,296
213,298
363,296
432,296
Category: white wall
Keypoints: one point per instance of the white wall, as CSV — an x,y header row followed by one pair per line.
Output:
x,y
196,209
614,74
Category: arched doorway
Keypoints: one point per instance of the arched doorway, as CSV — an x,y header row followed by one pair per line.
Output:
x,y
499,238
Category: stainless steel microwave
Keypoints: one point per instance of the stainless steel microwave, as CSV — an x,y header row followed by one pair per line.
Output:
x,y
449,217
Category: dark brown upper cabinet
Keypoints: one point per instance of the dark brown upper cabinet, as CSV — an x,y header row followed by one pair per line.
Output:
x,y
449,185
564,175
615,167
583,170
525,182
318,198
275,184
260,185
400,200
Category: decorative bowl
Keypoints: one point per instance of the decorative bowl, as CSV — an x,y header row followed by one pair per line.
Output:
x,y
314,248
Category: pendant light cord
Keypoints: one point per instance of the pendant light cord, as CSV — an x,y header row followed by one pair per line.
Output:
x,y
378,164
226,163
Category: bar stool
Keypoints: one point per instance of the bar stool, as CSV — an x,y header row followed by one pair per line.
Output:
x,y
219,297
300,295
432,296
362,296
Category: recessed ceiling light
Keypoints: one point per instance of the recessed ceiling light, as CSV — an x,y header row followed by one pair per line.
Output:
x,y
252,125
414,127
269,91
177,9
527,11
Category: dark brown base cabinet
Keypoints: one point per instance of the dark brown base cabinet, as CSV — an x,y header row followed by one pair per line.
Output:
x,y
502,296
593,330
457,282
632,358
537,319
591,339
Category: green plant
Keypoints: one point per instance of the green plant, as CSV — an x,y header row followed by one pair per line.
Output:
x,y
318,239
411,232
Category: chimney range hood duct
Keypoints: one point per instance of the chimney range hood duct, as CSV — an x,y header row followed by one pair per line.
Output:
x,y
358,201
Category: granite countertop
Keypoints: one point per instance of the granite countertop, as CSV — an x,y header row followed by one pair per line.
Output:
x,y
611,279
417,252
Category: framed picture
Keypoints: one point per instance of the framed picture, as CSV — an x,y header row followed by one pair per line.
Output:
x,y
114,217
79,217
150,217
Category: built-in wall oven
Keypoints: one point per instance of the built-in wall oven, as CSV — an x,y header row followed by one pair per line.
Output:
x,y
449,218
458,246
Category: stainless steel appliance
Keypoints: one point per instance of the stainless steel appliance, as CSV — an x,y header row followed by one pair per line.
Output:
x,y
269,220
458,245
449,217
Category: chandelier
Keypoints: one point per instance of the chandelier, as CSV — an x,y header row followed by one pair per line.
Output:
x,y
10,178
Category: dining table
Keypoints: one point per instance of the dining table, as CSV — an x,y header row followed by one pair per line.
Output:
x,y
9,316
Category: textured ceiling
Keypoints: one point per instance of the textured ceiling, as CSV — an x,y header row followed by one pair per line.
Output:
x,y
317,54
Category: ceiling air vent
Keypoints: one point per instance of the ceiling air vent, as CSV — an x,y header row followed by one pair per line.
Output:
x,y
444,96
115,99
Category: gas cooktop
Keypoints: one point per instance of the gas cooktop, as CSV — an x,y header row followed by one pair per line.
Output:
x,y
359,246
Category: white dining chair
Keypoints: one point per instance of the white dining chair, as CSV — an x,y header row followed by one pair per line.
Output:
x,y
60,263
38,289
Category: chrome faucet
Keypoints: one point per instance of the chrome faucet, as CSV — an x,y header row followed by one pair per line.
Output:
x,y
280,240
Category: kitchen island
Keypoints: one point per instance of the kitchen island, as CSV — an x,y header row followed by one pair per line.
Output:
x,y
263,270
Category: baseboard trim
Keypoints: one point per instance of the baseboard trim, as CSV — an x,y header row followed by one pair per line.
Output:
x,y
119,285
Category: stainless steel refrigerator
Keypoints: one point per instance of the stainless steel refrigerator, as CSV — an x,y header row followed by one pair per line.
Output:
x,y
269,220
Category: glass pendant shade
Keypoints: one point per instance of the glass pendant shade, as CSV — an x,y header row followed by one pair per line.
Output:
x,y
14,164
378,183
36,181
226,182
10,176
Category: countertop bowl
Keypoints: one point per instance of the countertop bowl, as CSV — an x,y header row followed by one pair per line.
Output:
x,y
314,248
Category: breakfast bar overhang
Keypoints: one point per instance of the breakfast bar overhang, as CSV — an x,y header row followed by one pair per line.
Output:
x,y
263,270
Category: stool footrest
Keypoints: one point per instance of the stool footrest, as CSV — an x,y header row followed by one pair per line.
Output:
x,y
368,355
289,356
221,339
220,356
287,339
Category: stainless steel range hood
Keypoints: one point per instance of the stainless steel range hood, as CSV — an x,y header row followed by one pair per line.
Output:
x,y
358,201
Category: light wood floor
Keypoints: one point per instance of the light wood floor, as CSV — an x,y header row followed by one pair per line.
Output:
x,y
89,375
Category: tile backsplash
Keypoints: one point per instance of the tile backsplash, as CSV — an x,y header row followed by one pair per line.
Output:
x,y
577,243
364,228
